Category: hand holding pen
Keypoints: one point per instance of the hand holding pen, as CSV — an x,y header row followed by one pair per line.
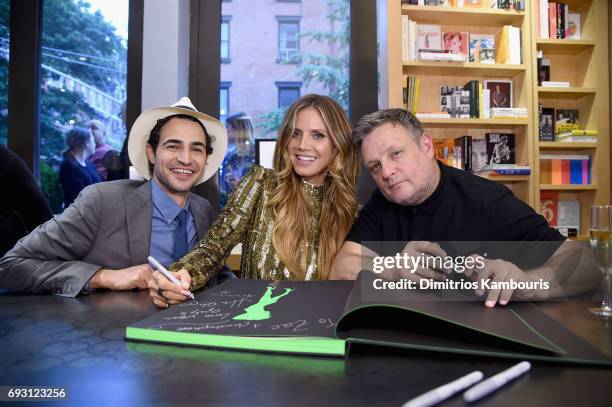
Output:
x,y
166,288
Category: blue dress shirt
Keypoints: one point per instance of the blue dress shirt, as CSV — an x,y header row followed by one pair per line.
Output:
x,y
164,221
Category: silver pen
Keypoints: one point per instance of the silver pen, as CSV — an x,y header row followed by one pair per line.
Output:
x,y
157,266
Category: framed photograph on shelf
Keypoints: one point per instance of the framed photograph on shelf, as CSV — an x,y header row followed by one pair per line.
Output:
x,y
501,92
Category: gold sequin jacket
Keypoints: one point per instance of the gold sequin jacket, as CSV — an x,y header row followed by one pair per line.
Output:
x,y
247,219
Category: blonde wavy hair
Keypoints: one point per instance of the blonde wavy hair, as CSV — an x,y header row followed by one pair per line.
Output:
x,y
292,210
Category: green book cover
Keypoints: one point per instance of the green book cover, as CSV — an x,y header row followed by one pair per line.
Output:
x,y
325,317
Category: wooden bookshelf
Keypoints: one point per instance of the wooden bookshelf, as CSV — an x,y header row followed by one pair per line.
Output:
x,y
446,68
552,187
585,64
467,16
569,47
555,145
565,93
475,123
433,74
505,178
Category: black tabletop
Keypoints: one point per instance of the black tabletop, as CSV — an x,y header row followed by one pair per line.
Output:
x,y
77,344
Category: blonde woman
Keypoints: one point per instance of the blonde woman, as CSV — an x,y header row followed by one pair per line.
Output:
x,y
292,220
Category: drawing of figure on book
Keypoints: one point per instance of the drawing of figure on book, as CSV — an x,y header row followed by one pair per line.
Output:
x,y
257,311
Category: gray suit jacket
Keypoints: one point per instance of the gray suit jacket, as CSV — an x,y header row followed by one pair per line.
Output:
x,y
108,226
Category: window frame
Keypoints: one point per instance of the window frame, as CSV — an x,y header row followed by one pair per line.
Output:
x,y
287,85
224,85
226,20
282,20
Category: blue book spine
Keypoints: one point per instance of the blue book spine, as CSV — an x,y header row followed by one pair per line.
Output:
x,y
512,171
575,171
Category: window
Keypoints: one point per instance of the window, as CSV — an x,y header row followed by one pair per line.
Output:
x,y
4,68
288,39
224,106
83,85
261,87
225,39
288,92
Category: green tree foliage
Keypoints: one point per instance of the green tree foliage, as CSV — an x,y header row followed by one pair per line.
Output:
x,y
82,45
330,69
69,28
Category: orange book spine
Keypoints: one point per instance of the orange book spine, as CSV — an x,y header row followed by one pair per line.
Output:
x,y
556,172
546,172
565,172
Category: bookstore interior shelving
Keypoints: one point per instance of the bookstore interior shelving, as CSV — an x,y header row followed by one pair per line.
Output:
x,y
582,62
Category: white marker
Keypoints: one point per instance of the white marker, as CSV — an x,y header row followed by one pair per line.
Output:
x,y
157,266
441,393
495,382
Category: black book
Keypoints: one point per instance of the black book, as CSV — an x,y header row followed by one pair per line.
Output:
x,y
325,317
500,148
560,20
547,123
472,87
463,149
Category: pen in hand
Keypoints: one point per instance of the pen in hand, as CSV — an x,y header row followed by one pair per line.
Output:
x,y
157,266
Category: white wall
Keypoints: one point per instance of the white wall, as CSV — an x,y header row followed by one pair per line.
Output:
x,y
165,53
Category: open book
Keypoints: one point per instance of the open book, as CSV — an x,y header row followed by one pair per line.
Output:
x,y
325,317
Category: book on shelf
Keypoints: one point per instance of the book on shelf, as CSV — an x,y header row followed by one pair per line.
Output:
x,y
544,72
473,3
547,123
577,136
409,34
548,206
565,169
577,132
509,169
433,115
577,139
428,55
412,93
455,101
326,317
508,45
566,120
456,43
555,84
509,113
555,21
568,214
444,151
463,153
552,20
500,93
567,232
472,88
500,148
518,5
482,48
429,37
572,31
479,155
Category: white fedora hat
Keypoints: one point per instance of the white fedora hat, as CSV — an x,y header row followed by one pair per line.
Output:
x,y
139,135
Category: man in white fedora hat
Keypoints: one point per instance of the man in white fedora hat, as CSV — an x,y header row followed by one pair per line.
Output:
x,y
104,238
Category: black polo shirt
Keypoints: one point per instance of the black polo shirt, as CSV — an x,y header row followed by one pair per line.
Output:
x,y
464,207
